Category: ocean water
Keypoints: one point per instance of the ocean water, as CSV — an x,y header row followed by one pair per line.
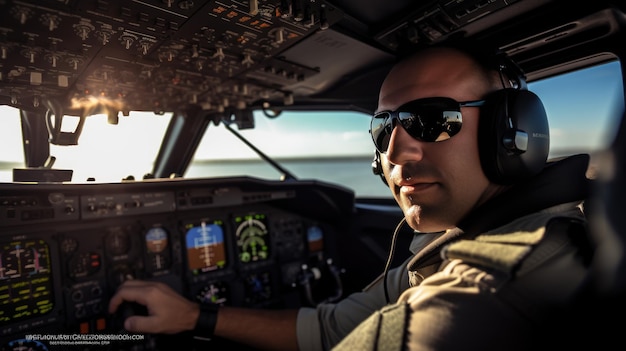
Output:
x,y
351,172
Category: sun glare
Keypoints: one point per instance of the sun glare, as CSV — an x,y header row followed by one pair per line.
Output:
x,y
137,137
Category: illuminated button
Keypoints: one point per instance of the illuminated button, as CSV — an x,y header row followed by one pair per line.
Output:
x,y
83,328
101,324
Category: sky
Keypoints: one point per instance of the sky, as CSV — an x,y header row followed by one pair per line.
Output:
x,y
295,134
581,109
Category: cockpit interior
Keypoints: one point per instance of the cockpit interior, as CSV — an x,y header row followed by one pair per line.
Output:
x,y
65,247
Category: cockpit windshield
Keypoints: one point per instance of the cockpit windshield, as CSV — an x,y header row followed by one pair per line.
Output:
x,y
333,146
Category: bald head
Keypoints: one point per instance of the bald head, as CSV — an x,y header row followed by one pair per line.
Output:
x,y
438,71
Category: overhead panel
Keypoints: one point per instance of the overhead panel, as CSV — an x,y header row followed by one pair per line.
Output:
x,y
154,55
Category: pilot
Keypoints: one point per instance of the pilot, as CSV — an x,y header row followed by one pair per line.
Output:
x,y
500,254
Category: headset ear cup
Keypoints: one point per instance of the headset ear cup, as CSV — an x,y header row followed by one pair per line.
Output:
x,y
377,167
513,136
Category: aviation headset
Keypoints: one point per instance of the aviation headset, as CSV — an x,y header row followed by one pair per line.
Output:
x,y
513,133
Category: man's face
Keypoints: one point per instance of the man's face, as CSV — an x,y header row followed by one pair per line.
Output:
x,y
435,183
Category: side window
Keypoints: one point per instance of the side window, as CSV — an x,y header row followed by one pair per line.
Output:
x,y
582,107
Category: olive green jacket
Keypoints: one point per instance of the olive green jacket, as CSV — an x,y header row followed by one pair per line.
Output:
x,y
514,286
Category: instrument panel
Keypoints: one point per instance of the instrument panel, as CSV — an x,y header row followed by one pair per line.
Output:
x,y
64,249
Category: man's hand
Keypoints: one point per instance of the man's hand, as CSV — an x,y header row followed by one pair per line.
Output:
x,y
168,312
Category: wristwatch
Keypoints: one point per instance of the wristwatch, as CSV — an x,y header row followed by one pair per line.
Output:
x,y
207,320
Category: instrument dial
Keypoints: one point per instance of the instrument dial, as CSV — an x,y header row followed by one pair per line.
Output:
x,y
156,240
117,242
25,345
216,293
156,245
258,288
68,245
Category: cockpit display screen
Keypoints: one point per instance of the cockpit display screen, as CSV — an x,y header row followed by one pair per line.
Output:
x,y
25,280
315,237
252,237
204,241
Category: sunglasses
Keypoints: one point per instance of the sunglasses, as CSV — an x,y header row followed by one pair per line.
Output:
x,y
428,119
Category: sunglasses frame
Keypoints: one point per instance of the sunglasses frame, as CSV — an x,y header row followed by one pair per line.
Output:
x,y
412,109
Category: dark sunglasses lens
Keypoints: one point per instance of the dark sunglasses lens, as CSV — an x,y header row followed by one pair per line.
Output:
x,y
381,128
429,120
431,124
